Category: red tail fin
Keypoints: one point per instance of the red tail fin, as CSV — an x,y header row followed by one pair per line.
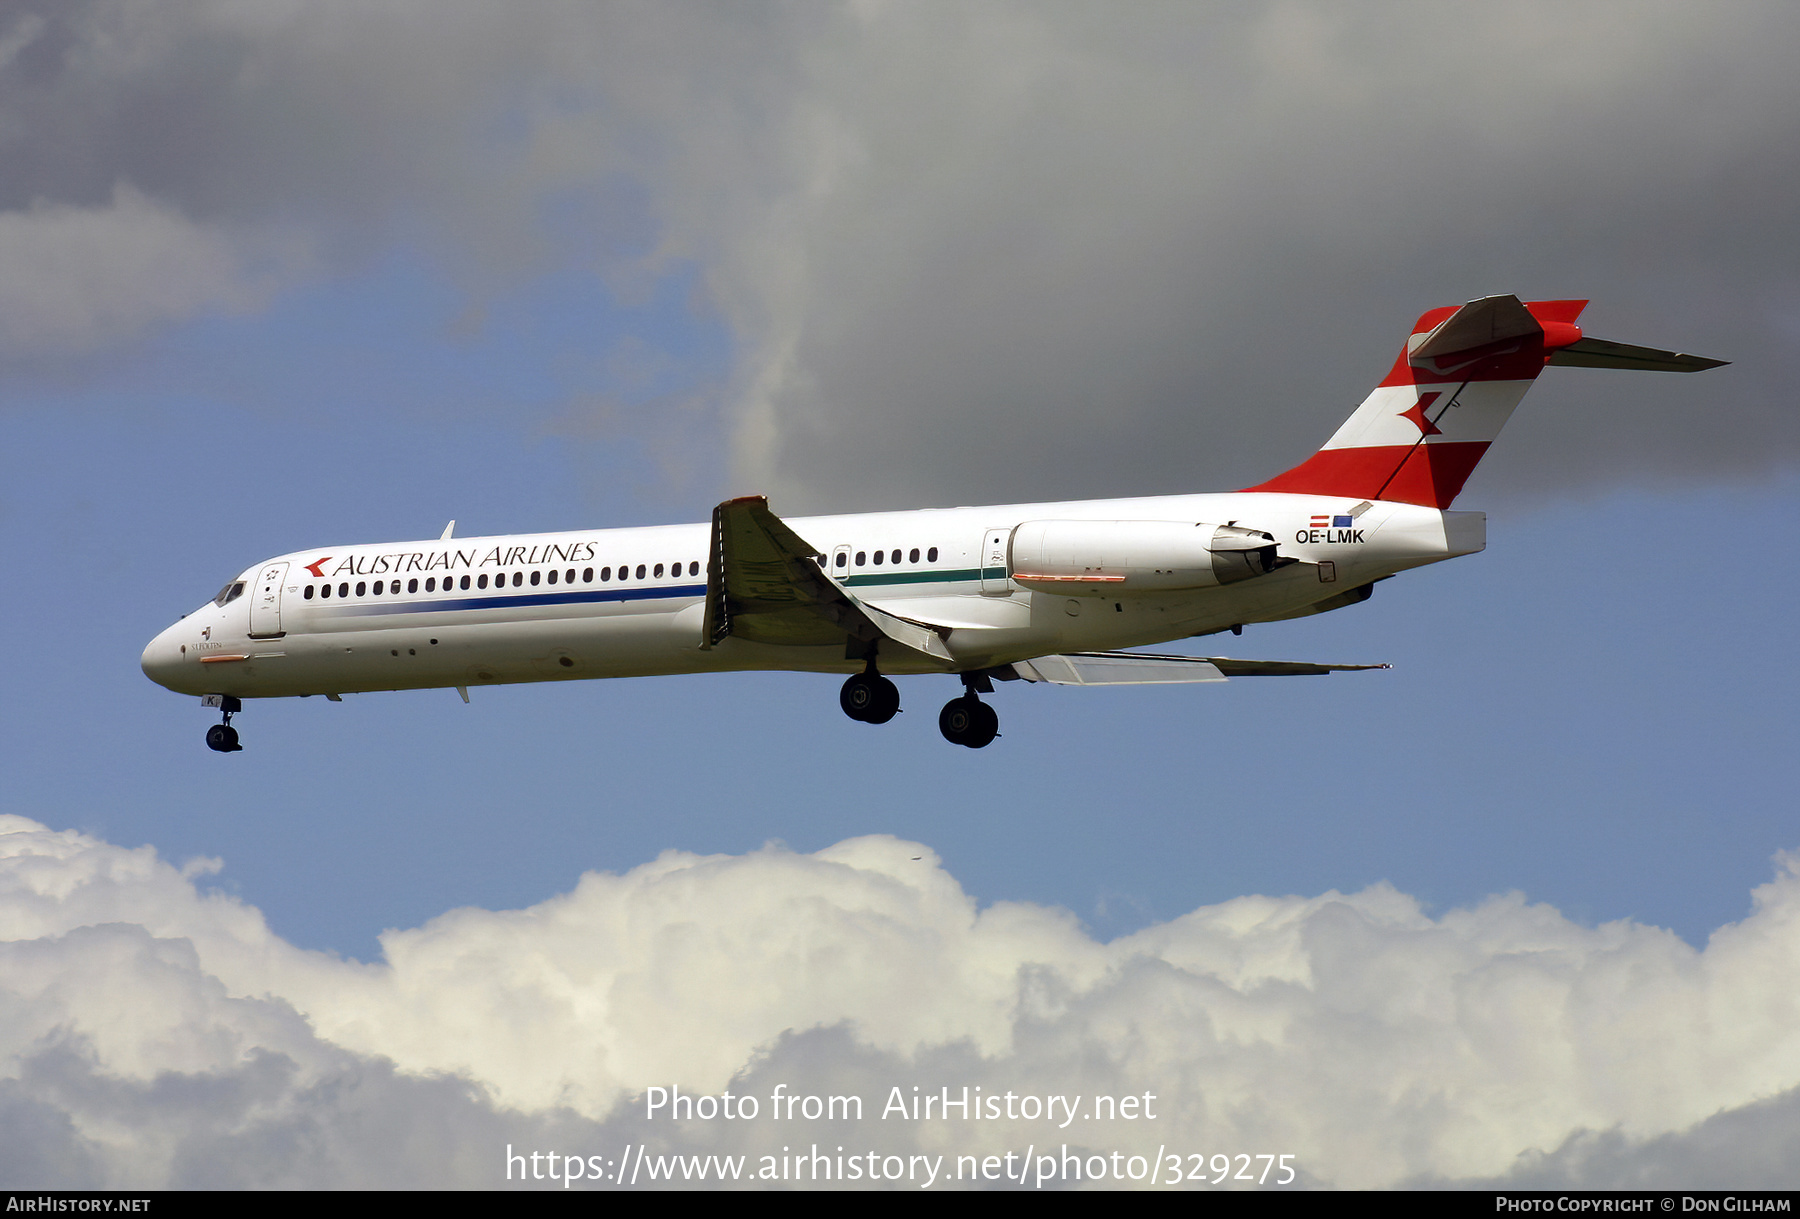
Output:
x,y
1419,436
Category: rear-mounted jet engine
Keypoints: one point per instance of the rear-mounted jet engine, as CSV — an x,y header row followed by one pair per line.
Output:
x,y
1106,558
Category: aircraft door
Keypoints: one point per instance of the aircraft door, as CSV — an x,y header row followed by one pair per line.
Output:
x,y
840,563
994,545
265,601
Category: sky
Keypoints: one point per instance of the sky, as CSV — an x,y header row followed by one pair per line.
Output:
x,y
1519,910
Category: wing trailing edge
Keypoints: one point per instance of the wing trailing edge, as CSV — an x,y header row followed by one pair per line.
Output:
x,y
1149,668
764,584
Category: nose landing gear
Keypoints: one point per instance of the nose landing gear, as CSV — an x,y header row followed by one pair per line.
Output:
x,y
222,737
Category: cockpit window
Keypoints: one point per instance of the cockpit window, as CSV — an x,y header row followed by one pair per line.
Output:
x,y
231,592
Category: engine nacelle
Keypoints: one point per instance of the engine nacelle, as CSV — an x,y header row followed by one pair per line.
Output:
x,y
1105,558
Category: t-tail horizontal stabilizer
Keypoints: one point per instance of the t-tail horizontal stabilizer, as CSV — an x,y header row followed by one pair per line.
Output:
x,y
1419,435
1148,668
1599,353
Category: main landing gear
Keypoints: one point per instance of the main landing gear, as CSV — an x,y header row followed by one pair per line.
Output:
x,y
967,720
223,738
870,698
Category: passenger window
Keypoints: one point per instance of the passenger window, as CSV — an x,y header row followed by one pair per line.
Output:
x,y
569,576
931,555
325,590
535,577
640,571
412,586
861,557
344,589
658,572
465,581
587,575
482,582
362,588
912,556
606,575
880,555
519,578
896,556
843,558
694,568
308,594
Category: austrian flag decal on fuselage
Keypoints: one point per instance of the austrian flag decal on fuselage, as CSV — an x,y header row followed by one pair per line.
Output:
x,y
1329,528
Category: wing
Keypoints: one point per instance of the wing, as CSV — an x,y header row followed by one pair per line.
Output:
x,y
764,584
1148,668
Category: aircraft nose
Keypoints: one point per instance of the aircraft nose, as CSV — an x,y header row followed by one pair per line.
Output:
x,y
162,660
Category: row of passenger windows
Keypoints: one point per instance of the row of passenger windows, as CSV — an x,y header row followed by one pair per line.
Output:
x,y
378,588
364,588
881,556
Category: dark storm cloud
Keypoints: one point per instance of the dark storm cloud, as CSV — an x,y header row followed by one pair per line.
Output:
x,y
1071,256
1005,251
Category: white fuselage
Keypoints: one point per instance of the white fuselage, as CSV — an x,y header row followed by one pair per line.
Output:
x,y
631,602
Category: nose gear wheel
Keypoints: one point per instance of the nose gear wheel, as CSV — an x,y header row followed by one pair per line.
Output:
x,y
222,737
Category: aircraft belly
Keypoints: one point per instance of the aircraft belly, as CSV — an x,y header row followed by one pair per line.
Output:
x,y
1065,624
642,642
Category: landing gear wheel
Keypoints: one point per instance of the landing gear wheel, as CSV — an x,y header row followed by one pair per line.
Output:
x,y
870,698
968,721
222,737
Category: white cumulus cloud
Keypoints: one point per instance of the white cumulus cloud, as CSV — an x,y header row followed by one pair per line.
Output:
x,y
153,1033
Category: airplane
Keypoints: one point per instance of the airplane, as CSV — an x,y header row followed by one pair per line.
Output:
x,y
1055,593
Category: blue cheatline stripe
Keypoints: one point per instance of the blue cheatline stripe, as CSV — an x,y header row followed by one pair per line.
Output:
x,y
520,600
864,579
